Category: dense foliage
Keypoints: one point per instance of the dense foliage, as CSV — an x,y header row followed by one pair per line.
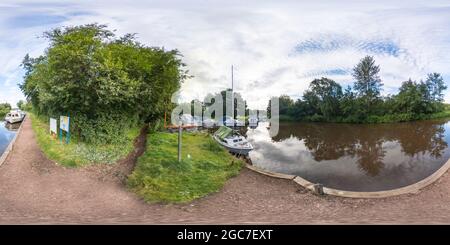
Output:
x,y
105,83
24,106
76,153
4,109
325,101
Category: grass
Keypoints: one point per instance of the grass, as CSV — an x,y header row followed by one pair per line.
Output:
x,y
76,154
205,166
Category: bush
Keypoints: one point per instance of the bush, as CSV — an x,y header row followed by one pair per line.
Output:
x,y
105,83
316,118
78,153
4,109
104,129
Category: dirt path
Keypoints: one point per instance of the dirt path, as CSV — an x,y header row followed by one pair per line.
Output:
x,y
35,190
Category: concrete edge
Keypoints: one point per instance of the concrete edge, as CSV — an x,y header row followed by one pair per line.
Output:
x,y
410,189
271,174
11,144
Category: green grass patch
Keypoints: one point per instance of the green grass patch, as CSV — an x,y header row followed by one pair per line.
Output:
x,y
205,166
77,153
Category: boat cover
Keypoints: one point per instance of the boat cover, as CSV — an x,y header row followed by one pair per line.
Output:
x,y
223,132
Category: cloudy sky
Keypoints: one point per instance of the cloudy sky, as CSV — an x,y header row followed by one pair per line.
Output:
x,y
277,47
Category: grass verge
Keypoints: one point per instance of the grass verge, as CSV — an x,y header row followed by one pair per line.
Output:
x,y
77,153
205,166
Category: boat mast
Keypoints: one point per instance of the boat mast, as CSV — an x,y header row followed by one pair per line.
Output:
x,y
232,94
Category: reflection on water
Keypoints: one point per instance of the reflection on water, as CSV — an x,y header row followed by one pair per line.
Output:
x,y
7,132
354,157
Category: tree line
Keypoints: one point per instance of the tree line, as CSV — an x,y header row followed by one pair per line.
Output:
x,y
6,107
326,101
104,82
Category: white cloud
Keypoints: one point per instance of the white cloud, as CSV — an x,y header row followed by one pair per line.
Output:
x,y
408,39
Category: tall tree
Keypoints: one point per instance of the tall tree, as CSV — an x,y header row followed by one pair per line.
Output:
x,y
286,104
104,82
436,86
326,94
368,83
410,98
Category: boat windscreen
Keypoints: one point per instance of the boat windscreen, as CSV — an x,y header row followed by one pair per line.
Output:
x,y
223,132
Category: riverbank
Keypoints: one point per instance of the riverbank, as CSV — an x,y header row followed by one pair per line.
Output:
x,y
373,119
34,190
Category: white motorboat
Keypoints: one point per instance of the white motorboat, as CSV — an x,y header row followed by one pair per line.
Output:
x,y
239,123
209,123
232,141
253,122
15,116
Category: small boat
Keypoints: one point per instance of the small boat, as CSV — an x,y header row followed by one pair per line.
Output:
x,y
209,123
239,123
228,121
15,116
253,122
232,141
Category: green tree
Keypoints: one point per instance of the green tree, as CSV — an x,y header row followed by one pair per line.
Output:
x,y
285,105
368,83
436,86
410,98
352,108
4,109
20,104
105,83
325,94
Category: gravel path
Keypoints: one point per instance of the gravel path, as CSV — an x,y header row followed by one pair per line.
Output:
x,y
35,190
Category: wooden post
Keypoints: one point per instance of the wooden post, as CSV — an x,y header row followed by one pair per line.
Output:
x,y
180,131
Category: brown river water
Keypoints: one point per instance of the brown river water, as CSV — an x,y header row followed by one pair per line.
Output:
x,y
353,157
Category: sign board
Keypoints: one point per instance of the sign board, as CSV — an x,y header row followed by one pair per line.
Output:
x,y
53,126
64,123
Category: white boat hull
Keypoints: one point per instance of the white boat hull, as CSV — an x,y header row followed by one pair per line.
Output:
x,y
13,120
235,150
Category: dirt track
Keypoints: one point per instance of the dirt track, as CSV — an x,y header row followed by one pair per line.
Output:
x,y
35,190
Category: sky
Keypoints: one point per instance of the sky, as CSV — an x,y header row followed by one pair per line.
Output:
x,y
276,47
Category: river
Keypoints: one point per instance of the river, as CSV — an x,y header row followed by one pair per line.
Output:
x,y
7,133
354,157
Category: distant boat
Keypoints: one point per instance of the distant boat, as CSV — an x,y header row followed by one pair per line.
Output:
x,y
15,116
253,121
209,123
232,141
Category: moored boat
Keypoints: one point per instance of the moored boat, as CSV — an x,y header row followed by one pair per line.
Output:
x,y
253,121
15,116
232,141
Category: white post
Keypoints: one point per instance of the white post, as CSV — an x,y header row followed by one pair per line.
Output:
x,y
232,94
180,130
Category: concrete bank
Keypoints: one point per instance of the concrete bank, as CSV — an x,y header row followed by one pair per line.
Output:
x,y
318,189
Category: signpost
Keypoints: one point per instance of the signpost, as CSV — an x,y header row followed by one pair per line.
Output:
x,y
64,125
180,132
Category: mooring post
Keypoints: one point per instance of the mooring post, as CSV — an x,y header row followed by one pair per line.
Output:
x,y
180,131
318,189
